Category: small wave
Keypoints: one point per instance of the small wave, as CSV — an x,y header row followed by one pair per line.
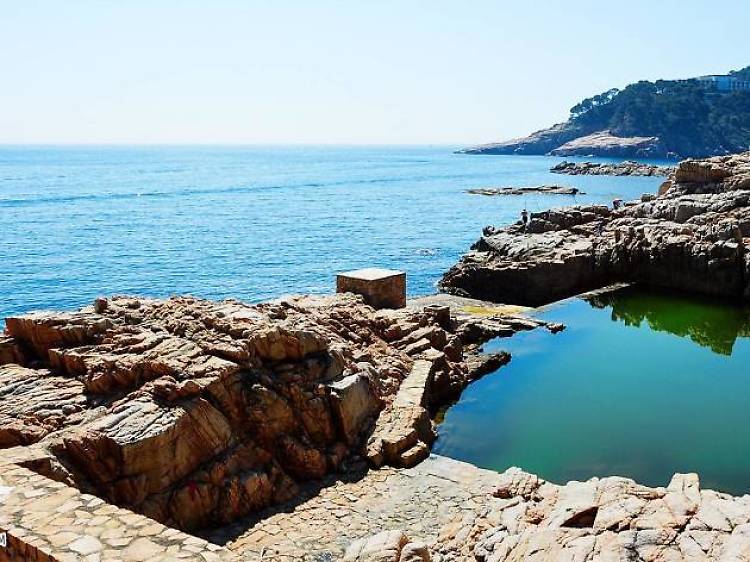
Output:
x,y
184,192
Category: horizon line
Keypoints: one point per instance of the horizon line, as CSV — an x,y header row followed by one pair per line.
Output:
x,y
226,144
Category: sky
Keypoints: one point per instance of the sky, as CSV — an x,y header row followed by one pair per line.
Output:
x,y
338,72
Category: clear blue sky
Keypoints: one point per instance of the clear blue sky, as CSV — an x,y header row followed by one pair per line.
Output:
x,y
323,71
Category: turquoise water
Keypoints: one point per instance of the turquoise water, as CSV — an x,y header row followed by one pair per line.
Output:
x,y
248,222
641,384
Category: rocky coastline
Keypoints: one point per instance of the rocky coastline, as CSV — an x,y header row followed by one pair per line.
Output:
x,y
644,120
301,428
566,139
627,168
197,413
451,511
691,236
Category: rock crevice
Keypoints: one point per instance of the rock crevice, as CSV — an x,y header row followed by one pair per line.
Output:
x,y
197,413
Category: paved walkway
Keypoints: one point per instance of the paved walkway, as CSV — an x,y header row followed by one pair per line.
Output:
x,y
46,521
420,500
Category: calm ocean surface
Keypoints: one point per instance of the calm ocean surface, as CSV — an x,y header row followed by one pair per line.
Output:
x,y
249,222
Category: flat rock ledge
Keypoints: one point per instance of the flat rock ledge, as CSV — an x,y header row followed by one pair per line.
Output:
x,y
460,512
544,189
627,168
692,236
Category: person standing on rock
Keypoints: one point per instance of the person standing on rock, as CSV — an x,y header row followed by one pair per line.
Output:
x,y
524,219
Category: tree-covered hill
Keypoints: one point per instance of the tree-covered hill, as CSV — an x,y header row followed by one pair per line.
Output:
x,y
679,118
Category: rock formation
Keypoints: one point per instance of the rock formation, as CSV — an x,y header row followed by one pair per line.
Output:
x,y
611,518
196,413
538,142
604,143
545,189
463,513
692,236
627,168
565,139
387,546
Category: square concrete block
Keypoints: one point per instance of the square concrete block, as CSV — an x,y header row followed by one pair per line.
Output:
x,y
382,288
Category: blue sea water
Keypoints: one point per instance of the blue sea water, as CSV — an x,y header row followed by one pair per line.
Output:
x,y
250,222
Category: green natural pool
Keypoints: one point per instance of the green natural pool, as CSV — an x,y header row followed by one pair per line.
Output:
x,y
641,384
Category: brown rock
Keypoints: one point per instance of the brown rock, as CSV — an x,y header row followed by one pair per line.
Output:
x,y
353,404
197,413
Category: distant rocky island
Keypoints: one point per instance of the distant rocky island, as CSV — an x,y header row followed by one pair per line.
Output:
x,y
697,117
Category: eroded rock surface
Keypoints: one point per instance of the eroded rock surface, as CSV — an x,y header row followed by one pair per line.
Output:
x,y
692,236
387,546
611,518
196,413
463,513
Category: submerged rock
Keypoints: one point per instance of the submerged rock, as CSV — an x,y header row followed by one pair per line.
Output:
x,y
692,236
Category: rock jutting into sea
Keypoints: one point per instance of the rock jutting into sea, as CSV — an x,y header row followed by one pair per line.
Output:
x,y
565,139
604,143
645,120
544,189
691,236
196,413
627,168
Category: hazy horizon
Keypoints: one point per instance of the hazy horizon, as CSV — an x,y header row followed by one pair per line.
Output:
x,y
334,73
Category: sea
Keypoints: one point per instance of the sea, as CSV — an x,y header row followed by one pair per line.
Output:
x,y
251,222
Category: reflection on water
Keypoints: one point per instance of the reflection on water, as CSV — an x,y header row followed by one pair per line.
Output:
x,y
712,323
641,384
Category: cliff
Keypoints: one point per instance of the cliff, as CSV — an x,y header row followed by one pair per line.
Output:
x,y
692,236
666,118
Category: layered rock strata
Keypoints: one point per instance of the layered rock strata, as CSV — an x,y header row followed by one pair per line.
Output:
x,y
627,168
692,236
196,413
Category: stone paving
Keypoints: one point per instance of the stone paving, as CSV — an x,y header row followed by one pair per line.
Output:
x,y
435,494
47,521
